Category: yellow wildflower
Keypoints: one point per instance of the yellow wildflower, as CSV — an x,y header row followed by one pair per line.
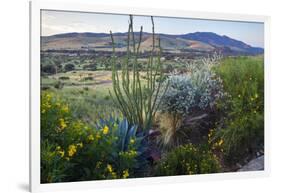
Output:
x,y
62,123
109,168
98,136
220,142
125,173
65,109
48,96
61,153
78,125
114,176
58,148
80,144
132,141
132,153
91,137
72,150
105,130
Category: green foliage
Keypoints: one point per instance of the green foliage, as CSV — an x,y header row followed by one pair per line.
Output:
x,y
190,96
69,67
72,150
115,148
186,160
242,128
87,78
137,100
90,67
53,167
197,90
89,104
58,84
48,69
64,78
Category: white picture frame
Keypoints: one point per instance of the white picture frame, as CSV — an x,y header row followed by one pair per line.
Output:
x,y
35,25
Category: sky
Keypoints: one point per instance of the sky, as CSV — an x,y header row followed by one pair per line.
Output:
x,y
57,22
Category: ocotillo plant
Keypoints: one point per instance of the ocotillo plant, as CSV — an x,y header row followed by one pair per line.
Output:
x,y
138,99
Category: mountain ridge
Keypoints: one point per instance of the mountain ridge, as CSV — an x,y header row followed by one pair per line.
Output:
x,y
196,41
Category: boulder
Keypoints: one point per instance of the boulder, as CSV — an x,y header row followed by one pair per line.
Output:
x,y
254,165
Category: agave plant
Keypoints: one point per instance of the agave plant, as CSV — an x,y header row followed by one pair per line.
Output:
x,y
129,137
123,131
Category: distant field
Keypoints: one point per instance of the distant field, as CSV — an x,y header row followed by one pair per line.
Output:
x,y
87,91
91,79
80,78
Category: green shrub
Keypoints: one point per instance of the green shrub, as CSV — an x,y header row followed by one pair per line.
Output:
x,y
45,87
242,127
190,96
58,84
48,69
88,78
106,97
72,150
92,67
69,67
197,90
186,160
64,78
113,153
53,166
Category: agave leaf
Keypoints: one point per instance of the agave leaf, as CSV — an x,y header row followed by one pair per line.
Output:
x,y
132,132
111,119
123,129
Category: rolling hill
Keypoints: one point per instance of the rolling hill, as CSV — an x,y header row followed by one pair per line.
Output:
x,y
198,41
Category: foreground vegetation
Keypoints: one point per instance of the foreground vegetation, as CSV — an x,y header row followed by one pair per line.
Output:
x,y
141,120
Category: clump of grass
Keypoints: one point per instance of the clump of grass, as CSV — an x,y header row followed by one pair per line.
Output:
x,y
169,126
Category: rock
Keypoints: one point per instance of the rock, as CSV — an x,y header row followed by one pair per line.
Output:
x,y
254,165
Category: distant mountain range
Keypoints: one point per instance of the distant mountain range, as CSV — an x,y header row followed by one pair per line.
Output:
x,y
196,42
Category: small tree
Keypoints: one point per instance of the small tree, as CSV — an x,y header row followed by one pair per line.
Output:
x,y
69,67
92,67
48,69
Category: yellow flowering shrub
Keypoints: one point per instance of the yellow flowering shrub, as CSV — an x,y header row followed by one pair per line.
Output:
x,y
188,160
242,113
215,143
72,150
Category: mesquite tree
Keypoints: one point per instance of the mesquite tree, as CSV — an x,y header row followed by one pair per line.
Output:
x,y
138,98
